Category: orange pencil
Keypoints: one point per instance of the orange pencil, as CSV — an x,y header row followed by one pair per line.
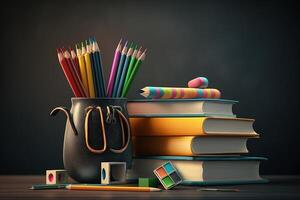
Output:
x,y
112,188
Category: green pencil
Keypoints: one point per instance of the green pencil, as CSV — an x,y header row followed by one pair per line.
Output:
x,y
46,187
134,71
131,65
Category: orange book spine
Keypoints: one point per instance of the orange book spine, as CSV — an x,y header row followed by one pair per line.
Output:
x,y
167,126
167,146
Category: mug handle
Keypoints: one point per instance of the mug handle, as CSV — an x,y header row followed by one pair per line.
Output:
x,y
123,119
68,114
86,130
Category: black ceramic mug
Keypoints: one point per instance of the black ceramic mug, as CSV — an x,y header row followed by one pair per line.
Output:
x,y
97,130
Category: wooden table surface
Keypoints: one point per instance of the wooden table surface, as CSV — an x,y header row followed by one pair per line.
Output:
x,y
280,187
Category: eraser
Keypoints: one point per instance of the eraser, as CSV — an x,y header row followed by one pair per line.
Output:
x,y
148,182
199,82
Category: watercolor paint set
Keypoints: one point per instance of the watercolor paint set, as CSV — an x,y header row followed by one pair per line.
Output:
x,y
168,175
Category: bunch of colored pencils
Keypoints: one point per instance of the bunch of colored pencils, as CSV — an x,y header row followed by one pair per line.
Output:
x,y
84,70
126,63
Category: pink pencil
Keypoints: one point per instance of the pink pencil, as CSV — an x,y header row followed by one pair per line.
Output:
x,y
114,70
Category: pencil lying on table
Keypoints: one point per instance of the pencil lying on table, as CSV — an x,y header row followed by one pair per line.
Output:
x,y
112,188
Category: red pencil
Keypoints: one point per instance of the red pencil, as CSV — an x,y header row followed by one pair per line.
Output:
x,y
74,73
68,75
75,61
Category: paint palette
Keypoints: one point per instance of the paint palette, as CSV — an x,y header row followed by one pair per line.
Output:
x,y
168,175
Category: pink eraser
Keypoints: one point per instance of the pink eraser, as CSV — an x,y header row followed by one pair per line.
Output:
x,y
199,82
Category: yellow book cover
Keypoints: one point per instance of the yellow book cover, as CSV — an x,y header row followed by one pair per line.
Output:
x,y
189,145
191,126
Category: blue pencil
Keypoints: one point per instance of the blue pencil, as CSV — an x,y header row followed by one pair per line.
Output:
x,y
124,71
120,67
100,75
93,63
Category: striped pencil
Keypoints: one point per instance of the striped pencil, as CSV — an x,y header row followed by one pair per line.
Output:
x,y
114,69
119,71
99,74
67,72
82,68
88,71
74,73
133,73
124,70
179,93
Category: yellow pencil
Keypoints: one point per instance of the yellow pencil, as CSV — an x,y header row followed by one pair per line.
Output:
x,y
112,188
82,68
88,65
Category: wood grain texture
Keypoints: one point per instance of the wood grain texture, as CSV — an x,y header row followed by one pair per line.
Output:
x,y
280,187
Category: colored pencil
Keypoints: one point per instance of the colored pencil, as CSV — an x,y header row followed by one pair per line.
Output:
x,y
114,69
100,76
47,186
112,188
139,53
179,93
75,61
75,75
93,64
130,67
89,71
119,71
133,73
82,69
67,72
124,71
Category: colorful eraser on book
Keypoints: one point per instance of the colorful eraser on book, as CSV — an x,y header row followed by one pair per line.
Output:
x,y
199,82
113,172
168,175
148,182
56,176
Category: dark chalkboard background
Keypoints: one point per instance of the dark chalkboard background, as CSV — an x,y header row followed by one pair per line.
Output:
x,y
247,49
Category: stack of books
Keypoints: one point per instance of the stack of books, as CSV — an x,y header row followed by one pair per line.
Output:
x,y
203,139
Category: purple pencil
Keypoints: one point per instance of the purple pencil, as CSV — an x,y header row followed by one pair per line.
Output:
x,y
113,70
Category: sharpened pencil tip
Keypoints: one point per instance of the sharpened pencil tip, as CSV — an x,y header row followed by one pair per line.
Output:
x,y
120,42
91,40
131,44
